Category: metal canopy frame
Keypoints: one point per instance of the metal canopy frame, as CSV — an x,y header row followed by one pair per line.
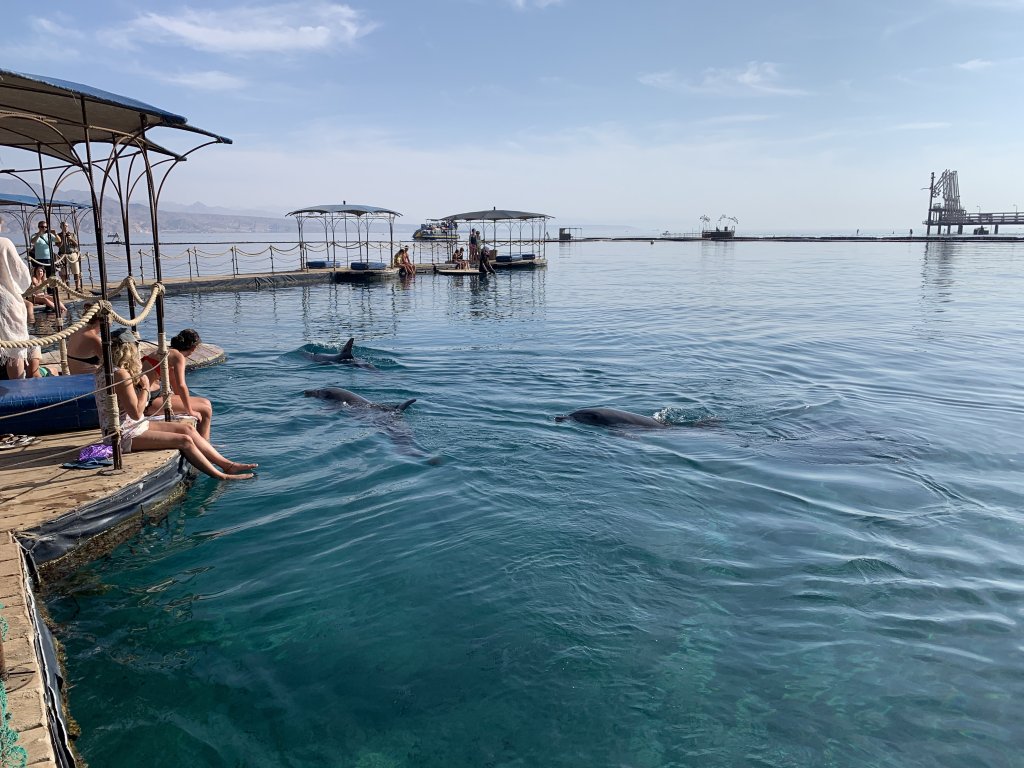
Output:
x,y
331,217
537,239
24,208
103,137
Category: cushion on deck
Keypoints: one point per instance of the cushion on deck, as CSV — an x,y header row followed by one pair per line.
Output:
x,y
316,264
506,258
28,394
529,256
368,265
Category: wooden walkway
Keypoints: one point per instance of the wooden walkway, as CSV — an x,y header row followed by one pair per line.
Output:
x,y
35,489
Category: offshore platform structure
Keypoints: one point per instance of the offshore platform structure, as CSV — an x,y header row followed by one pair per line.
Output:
x,y
950,213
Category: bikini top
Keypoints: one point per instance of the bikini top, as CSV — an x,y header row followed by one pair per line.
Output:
x,y
94,360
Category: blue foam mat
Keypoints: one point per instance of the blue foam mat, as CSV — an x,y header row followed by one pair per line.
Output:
x,y
22,395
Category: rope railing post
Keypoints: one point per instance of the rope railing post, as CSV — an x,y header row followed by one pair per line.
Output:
x,y
234,261
271,259
65,368
195,250
113,417
188,258
165,375
142,271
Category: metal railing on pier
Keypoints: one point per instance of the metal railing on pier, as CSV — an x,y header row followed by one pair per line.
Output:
x,y
223,259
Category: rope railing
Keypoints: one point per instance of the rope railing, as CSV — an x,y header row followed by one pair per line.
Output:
x,y
252,257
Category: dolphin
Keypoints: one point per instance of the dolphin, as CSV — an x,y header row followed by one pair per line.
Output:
x,y
611,417
345,356
344,396
392,426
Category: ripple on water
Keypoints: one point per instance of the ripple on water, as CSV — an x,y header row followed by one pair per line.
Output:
x,y
819,564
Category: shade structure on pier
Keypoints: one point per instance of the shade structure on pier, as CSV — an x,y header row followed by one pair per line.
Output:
x,y
334,220
50,116
341,210
6,198
496,214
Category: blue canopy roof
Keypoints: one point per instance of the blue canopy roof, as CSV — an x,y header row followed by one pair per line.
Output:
x,y
32,201
342,210
51,116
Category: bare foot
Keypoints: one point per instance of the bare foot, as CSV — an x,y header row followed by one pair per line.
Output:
x,y
238,466
246,476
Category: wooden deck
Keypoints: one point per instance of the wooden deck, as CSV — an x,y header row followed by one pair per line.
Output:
x,y
34,490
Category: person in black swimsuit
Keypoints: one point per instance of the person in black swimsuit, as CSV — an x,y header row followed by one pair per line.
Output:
x,y
84,347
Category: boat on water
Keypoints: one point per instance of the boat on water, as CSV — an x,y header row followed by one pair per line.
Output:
x,y
115,239
721,231
437,229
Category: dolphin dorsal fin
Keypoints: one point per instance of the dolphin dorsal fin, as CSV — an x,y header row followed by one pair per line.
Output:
x,y
346,351
406,404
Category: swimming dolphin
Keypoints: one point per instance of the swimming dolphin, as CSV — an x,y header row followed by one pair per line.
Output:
x,y
611,417
392,426
345,356
339,395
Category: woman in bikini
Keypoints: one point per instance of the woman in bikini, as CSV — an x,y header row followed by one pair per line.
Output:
x,y
182,401
85,346
139,434
41,299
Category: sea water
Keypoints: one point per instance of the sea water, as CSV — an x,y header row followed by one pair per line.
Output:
x,y
820,564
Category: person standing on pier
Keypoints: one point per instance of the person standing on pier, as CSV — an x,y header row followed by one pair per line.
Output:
x,y
72,260
14,281
43,243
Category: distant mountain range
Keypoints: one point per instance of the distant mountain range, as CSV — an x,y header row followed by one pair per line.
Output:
x,y
174,217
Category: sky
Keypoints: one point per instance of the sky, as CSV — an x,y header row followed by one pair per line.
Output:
x,y
791,115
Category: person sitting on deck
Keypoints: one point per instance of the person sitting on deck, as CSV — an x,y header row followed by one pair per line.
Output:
x,y
459,259
38,277
484,262
182,401
85,346
139,434
405,266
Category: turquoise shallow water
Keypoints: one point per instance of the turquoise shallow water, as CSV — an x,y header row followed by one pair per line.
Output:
x,y
826,570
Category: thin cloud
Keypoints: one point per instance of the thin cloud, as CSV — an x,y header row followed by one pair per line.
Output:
x,y
998,5
921,126
281,28
975,65
522,5
735,119
210,80
757,78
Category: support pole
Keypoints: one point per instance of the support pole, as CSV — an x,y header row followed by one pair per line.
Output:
x,y
931,196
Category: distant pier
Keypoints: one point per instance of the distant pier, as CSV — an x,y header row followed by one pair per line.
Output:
x,y
951,213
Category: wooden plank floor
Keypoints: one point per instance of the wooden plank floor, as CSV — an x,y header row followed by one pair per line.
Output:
x,y
35,489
